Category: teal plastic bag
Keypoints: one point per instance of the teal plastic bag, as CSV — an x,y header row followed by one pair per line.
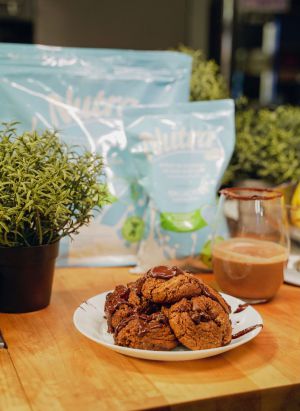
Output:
x,y
81,92
180,153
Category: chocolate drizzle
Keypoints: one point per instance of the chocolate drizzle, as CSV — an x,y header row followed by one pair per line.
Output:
x,y
221,301
146,323
245,331
164,272
137,286
149,323
113,302
240,308
209,295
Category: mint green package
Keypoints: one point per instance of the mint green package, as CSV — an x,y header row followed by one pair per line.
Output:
x,y
180,153
81,92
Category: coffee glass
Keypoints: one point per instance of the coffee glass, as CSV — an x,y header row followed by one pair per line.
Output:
x,y
250,245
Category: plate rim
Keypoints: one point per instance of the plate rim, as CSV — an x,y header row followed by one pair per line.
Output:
x,y
188,353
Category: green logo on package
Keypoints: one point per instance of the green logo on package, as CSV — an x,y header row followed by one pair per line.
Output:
x,y
182,222
133,229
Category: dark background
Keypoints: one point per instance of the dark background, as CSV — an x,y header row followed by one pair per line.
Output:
x,y
256,42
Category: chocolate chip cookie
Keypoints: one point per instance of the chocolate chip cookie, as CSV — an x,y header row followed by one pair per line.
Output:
x,y
117,307
167,285
165,307
200,323
214,295
146,332
124,301
137,299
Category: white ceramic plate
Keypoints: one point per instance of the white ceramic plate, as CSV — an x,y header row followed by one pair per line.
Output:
x,y
89,320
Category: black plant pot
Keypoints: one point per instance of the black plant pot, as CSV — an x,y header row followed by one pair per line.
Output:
x,y
26,275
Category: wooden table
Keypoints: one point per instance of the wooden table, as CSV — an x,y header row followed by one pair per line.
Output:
x,y
49,365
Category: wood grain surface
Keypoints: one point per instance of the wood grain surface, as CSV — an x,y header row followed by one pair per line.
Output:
x,y
49,365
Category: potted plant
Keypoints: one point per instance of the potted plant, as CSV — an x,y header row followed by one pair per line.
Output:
x,y
267,139
207,83
47,191
267,145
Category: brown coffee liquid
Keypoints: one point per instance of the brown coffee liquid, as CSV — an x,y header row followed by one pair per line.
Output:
x,y
249,268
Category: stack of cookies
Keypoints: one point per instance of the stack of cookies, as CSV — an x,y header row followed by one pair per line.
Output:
x,y
167,307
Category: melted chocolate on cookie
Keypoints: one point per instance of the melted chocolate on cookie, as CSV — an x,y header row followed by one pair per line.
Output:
x,y
208,294
146,322
137,285
164,272
113,302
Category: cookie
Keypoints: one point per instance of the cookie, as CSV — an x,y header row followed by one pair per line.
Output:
x,y
146,332
117,307
167,285
135,294
167,306
200,323
137,299
214,295
124,301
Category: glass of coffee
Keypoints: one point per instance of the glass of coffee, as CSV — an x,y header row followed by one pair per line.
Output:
x,y
250,247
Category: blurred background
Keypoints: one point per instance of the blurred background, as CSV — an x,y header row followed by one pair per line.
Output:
x,y
245,49
256,42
